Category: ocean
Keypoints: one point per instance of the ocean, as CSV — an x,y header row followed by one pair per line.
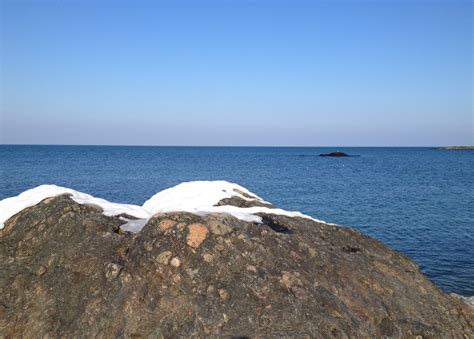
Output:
x,y
419,201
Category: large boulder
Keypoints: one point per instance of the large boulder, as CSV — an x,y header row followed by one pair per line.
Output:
x,y
69,271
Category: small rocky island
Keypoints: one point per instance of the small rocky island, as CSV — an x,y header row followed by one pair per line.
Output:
x,y
243,269
334,154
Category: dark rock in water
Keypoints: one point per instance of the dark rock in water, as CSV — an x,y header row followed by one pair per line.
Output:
x,y
334,154
66,271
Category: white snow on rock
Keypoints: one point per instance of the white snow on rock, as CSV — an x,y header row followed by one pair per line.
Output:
x,y
198,197
133,225
11,206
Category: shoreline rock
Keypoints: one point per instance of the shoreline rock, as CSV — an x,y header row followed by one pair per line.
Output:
x,y
468,300
69,271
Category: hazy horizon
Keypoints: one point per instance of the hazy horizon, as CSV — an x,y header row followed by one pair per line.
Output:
x,y
236,146
237,73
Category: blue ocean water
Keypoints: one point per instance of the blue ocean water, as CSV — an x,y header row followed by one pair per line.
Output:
x,y
419,201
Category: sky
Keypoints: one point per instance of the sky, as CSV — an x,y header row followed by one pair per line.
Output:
x,y
237,73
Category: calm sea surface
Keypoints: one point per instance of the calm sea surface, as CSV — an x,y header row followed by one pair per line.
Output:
x,y
419,201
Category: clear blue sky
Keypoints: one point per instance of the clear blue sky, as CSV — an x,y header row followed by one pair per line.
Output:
x,y
237,72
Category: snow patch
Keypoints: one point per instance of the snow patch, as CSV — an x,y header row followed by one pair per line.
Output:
x,y
198,197
133,225
11,206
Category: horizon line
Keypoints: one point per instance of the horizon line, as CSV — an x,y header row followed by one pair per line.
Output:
x,y
236,146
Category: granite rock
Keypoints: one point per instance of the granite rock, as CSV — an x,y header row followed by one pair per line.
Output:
x,y
69,271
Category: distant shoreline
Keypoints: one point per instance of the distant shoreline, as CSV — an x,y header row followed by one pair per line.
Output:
x,y
457,148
